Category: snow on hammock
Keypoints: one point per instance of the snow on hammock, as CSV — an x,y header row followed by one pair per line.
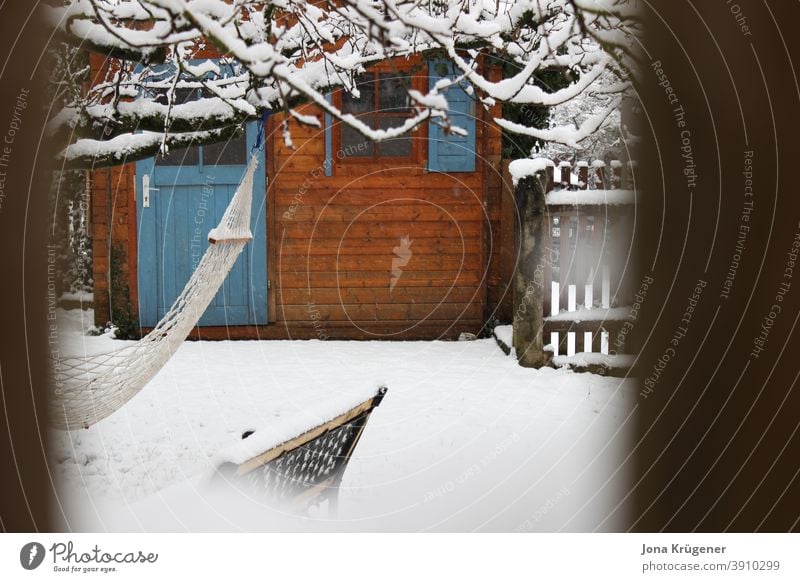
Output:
x,y
86,390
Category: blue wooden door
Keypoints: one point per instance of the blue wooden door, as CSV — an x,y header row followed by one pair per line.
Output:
x,y
189,191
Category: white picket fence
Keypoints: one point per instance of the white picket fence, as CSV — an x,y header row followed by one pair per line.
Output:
x,y
588,211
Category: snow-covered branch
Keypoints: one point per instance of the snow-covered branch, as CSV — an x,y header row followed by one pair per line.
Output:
x,y
570,136
281,53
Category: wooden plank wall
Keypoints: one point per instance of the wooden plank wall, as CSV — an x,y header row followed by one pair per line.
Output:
x,y
501,246
334,240
113,225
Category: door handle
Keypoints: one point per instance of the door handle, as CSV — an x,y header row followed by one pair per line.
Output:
x,y
146,189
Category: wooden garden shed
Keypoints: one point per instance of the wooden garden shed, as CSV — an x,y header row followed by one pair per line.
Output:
x,y
353,239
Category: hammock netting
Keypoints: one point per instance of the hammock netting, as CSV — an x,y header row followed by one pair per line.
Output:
x,y
86,390
315,464
306,470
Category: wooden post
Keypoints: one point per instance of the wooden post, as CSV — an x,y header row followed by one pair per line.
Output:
x,y
616,174
528,289
629,178
565,256
547,270
566,172
583,175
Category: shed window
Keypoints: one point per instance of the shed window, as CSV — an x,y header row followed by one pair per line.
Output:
x,y
382,103
230,152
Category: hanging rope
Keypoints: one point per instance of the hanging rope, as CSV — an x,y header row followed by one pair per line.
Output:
x,y
259,144
86,390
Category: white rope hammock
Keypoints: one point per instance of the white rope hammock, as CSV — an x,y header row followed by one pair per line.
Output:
x,y
86,390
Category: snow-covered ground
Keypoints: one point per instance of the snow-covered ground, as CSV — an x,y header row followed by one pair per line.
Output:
x,y
464,440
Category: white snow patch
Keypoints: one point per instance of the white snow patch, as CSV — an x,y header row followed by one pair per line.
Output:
x,y
311,120
584,359
277,432
431,100
465,439
82,296
505,333
528,167
594,314
592,197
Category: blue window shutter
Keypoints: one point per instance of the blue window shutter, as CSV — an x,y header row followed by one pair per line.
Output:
x,y
328,139
451,152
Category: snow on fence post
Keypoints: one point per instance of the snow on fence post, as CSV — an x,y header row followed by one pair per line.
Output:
x,y
529,178
599,175
583,175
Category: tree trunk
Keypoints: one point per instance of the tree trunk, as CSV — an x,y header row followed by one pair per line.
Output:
x,y
528,277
